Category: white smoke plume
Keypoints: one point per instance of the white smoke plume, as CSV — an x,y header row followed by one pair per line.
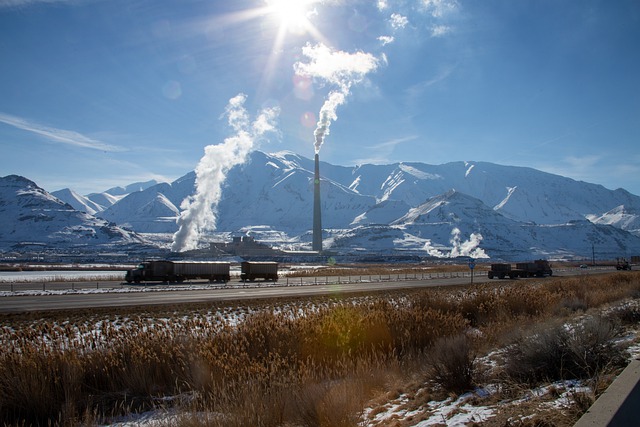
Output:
x,y
470,248
199,210
337,68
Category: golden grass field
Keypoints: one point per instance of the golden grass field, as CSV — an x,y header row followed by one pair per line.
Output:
x,y
330,361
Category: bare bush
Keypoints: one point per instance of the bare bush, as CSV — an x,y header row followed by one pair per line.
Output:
x,y
627,315
337,403
555,352
451,363
592,348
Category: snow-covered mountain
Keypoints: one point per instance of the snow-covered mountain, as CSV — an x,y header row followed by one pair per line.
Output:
x,y
455,224
78,202
458,208
30,215
626,218
97,202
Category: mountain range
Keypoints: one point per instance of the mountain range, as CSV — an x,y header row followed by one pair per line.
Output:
x,y
474,209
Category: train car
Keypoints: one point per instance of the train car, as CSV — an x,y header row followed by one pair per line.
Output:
x,y
252,270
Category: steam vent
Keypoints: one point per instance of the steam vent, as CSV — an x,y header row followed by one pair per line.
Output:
x,y
317,221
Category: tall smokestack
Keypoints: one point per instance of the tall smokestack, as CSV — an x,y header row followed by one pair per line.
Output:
x,y
317,221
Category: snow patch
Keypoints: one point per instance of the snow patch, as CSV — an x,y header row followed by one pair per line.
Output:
x,y
418,173
354,185
466,174
504,201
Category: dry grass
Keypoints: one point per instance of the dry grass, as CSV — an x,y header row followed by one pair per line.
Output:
x,y
297,362
410,270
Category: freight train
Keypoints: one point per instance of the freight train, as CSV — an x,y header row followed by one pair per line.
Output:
x,y
179,271
537,268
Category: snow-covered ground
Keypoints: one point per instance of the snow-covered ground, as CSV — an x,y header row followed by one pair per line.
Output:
x,y
53,276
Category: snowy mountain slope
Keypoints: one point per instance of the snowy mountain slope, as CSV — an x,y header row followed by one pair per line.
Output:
x,y
131,188
620,217
273,189
267,190
455,224
103,200
78,202
147,211
523,194
384,212
30,214
114,194
278,192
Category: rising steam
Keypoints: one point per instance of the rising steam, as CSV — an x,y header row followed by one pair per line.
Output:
x,y
470,248
199,210
340,69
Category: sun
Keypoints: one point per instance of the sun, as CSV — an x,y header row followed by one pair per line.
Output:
x,y
292,14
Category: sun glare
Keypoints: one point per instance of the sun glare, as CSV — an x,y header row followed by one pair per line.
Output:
x,y
293,14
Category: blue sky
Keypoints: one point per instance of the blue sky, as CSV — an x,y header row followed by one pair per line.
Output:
x,y
97,93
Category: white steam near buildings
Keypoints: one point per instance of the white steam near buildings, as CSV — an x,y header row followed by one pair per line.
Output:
x,y
199,210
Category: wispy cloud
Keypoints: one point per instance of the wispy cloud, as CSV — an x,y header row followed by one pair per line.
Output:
x,y
381,152
440,30
600,169
575,167
440,8
24,3
391,144
417,89
62,136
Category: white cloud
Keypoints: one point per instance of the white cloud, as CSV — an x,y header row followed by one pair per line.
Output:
x,y
385,40
335,67
440,8
440,30
382,5
398,21
62,136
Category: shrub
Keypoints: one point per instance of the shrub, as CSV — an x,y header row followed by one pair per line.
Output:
x,y
451,364
559,352
628,315
592,349
336,403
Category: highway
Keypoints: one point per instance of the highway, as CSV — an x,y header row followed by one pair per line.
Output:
x,y
155,295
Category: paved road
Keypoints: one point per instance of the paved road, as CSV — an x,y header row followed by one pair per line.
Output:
x,y
156,296
14,304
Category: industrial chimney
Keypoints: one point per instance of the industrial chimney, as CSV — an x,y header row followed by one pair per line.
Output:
x,y
317,221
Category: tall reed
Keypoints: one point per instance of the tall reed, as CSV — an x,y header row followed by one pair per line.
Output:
x,y
310,362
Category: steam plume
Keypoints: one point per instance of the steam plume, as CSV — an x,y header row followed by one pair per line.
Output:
x,y
337,68
470,248
199,210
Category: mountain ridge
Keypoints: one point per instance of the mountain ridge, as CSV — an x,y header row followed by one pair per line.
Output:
x,y
404,206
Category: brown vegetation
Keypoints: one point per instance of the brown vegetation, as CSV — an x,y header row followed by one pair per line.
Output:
x,y
409,270
302,362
